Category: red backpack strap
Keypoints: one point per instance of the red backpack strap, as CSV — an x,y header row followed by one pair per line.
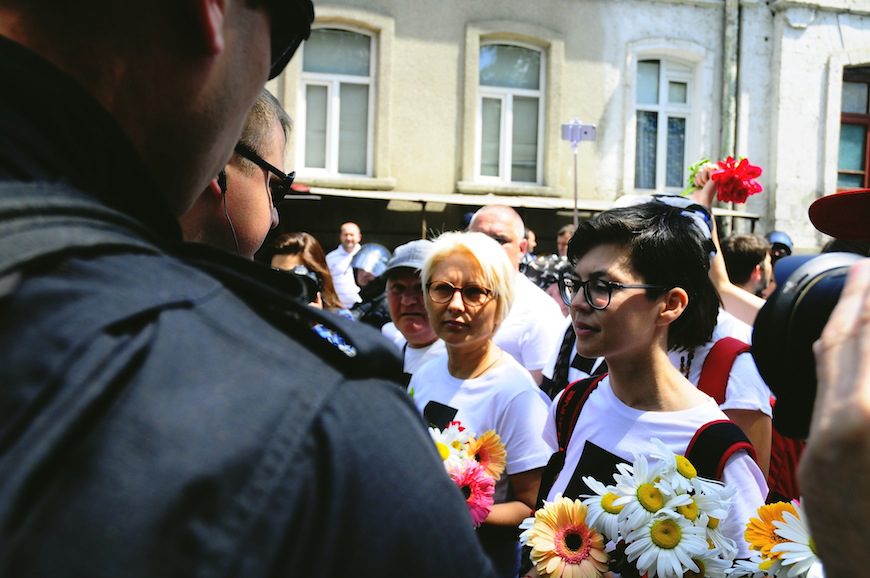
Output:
x,y
568,410
713,444
717,367
570,405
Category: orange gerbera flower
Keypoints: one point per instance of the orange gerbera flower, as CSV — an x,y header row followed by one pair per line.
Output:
x,y
761,533
489,451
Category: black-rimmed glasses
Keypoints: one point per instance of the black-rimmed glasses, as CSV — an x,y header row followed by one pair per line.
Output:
x,y
596,291
473,295
279,186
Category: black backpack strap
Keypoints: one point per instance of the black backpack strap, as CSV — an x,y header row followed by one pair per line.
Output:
x,y
568,411
712,446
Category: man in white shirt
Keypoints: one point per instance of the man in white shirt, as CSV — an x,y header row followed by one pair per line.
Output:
x,y
339,261
535,323
410,329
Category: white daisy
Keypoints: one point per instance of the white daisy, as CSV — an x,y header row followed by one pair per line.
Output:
x,y
666,546
746,568
711,565
725,546
798,554
452,444
640,497
678,471
601,513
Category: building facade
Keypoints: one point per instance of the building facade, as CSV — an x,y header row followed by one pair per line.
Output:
x,y
468,97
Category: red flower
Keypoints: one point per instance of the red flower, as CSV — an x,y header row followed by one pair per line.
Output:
x,y
736,181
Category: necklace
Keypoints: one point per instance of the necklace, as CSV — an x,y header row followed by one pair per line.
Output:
x,y
686,363
487,368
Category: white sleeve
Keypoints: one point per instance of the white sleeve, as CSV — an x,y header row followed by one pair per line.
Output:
x,y
549,430
743,474
543,336
746,389
520,426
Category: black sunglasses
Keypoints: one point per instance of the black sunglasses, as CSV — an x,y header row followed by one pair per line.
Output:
x,y
279,187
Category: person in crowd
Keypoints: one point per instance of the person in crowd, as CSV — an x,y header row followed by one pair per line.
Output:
x,y
642,289
409,327
529,253
563,236
531,329
167,410
368,266
747,259
237,211
781,245
838,447
544,271
290,250
339,260
468,281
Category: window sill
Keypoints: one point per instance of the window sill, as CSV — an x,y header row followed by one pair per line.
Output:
x,y
517,189
358,183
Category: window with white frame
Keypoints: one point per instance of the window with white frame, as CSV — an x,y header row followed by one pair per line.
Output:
x,y
663,109
853,169
337,96
510,114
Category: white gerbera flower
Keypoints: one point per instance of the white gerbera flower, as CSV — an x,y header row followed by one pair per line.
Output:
x,y
452,444
798,554
601,513
746,568
666,546
640,497
678,471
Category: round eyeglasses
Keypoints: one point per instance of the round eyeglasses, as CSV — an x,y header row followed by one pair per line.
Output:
x,y
472,295
596,291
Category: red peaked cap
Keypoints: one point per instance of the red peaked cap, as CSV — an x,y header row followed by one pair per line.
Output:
x,y
843,215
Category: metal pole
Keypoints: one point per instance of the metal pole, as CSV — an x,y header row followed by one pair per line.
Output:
x,y
576,187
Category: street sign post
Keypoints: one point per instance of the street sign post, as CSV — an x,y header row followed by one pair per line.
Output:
x,y
576,132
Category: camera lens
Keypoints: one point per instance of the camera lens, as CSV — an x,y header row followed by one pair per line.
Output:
x,y
808,288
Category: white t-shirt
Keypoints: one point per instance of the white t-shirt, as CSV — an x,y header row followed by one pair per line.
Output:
x,y
413,358
531,329
624,431
339,261
746,389
504,399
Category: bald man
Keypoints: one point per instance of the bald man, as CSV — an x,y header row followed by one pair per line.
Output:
x,y
339,261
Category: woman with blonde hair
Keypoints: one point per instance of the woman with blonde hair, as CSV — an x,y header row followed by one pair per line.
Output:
x,y
468,293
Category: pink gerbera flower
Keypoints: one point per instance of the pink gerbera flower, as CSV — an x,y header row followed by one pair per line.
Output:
x,y
476,486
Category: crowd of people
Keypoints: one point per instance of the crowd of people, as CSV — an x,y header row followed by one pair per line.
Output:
x,y
172,407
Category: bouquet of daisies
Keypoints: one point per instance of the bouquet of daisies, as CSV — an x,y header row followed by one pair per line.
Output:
x,y
474,463
782,543
735,178
660,518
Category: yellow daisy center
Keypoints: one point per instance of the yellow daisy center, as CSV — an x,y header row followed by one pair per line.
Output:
x,y
650,498
607,503
443,450
666,534
457,444
689,511
685,468
713,523
765,564
812,545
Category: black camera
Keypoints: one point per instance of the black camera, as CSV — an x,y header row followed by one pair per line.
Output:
x,y
808,288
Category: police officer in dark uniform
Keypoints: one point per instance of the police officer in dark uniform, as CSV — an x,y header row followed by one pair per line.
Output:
x,y
167,410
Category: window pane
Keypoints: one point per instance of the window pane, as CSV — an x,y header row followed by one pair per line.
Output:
x,y
676,152
490,137
853,138
510,66
645,153
315,126
677,92
850,181
648,82
353,128
337,52
524,152
855,97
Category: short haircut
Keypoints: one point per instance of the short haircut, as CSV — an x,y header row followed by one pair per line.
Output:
x,y
568,229
742,253
498,272
259,125
505,213
311,253
665,248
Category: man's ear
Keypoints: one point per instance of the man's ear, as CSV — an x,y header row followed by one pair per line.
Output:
x,y
674,302
209,18
524,245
